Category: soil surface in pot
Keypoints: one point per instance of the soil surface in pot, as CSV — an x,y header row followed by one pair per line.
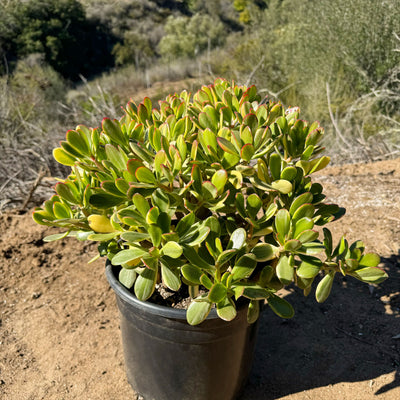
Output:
x,y
60,339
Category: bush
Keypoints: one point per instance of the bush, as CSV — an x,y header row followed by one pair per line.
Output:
x,y
187,36
296,49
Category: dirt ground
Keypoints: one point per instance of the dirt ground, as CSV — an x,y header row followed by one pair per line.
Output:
x,y
60,339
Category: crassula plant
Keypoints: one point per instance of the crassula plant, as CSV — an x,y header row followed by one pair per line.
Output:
x,y
211,195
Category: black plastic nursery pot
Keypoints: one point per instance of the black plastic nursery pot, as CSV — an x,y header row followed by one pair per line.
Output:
x,y
166,358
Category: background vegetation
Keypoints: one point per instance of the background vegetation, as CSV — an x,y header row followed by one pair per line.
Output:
x,y
64,62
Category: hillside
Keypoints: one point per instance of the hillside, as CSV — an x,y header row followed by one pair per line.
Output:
x,y
59,336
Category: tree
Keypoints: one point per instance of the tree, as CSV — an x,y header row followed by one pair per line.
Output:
x,y
60,31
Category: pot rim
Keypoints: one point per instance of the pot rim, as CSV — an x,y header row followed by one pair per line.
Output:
x,y
147,306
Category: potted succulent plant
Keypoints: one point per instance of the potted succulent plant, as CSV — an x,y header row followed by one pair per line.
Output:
x,y
209,197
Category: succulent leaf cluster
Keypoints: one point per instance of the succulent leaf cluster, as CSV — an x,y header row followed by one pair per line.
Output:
x,y
212,192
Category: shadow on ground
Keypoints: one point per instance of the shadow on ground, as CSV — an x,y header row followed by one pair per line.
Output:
x,y
349,338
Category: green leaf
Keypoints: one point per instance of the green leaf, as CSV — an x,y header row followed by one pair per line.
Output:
x,y
244,267
181,145
342,248
219,180
170,277
122,185
132,165
299,201
319,163
280,306
152,215
161,200
194,258
304,165
192,274
253,205
127,277
217,293
142,113
307,153
312,248
328,242
309,268
264,252
285,269
370,275
185,224
197,178
304,211
266,275
145,284
61,211
253,312
209,190
64,158
144,175
66,193
282,223
351,264
251,121
239,203
226,309
133,237
289,173
283,186
206,281
225,256
307,236
292,245
247,152
104,200
172,249
141,204
112,129
155,234
125,256
255,292
56,236
197,238
275,166
117,157
79,141
198,312
131,217
324,287
369,260
302,225
230,161
208,139
269,212
237,239
160,159
226,146
102,237
164,222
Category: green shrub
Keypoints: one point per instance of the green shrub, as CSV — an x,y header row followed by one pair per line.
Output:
x,y
211,192
188,36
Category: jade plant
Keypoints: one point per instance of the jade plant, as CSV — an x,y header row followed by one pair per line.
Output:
x,y
209,194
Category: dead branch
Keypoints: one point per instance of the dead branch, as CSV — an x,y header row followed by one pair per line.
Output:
x,y
334,122
9,180
250,77
41,174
